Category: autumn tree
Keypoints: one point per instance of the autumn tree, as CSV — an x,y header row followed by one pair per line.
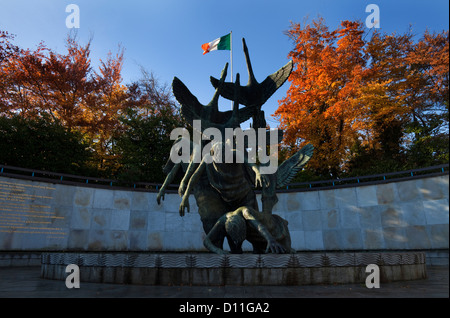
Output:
x,y
7,49
319,107
66,88
145,143
405,96
126,128
382,99
365,102
429,102
105,107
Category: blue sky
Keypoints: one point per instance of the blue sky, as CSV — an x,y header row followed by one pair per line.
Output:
x,y
165,36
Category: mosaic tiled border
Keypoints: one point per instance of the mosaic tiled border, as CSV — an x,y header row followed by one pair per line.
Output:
x,y
181,260
204,269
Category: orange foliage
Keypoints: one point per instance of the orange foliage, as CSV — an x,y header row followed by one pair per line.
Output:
x,y
319,107
65,87
346,90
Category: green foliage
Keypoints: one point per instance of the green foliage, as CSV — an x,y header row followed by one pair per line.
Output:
x,y
429,151
42,144
144,143
145,146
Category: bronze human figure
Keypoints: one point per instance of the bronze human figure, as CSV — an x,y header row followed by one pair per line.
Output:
x,y
224,189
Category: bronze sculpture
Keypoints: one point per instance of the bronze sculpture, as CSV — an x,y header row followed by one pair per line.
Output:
x,y
225,189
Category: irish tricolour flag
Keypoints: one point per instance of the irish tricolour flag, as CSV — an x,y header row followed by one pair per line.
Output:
x,y
222,43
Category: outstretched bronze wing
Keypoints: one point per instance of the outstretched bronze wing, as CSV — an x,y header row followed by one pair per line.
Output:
x,y
255,94
289,168
192,109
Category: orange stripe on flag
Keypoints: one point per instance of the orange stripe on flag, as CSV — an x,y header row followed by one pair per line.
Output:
x,y
205,48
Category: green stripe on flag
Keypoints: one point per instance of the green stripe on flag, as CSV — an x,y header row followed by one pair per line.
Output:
x,y
225,42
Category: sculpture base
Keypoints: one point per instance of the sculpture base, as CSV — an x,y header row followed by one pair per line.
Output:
x,y
204,269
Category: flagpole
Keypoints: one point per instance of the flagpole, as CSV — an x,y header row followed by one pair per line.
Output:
x,y
231,54
231,60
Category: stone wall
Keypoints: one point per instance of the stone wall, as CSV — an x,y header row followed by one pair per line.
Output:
x,y
39,216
